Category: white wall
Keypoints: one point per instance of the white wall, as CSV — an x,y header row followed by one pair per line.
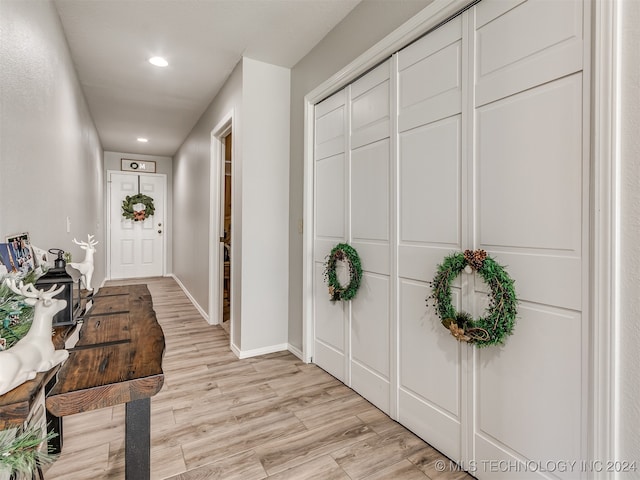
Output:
x,y
50,153
629,354
164,165
258,95
367,24
265,205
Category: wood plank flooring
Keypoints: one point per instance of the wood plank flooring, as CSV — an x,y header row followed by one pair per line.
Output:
x,y
218,417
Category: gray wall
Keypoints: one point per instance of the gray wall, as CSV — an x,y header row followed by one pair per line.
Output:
x,y
367,24
164,165
50,154
191,177
629,354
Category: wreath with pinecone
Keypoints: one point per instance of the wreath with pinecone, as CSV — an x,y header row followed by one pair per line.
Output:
x,y
500,316
139,215
346,253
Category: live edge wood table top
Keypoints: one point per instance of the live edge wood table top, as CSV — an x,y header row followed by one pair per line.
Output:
x,y
117,359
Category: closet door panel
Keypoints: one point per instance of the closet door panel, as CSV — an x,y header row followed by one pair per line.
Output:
x,y
330,320
370,346
429,77
430,183
330,197
423,340
330,126
329,332
525,45
430,371
537,372
418,262
370,193
375,258
370,190
530,166
429,228
530,204
370,107
322,247
561,287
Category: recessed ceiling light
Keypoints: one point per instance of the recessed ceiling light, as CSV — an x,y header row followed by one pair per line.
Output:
x,y
143,140
158,62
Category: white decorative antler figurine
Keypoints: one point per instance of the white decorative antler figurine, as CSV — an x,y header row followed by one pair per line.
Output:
x,y
86,266
34,352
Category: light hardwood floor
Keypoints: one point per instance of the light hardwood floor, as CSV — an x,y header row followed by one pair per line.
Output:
x,y
218,417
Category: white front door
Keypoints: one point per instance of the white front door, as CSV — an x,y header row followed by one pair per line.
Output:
x,y
136,247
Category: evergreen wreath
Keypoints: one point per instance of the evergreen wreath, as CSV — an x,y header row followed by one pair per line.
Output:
x,y
501,313
131,200
348,254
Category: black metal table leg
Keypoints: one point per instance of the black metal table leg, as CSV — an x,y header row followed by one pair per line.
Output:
x,y
137,440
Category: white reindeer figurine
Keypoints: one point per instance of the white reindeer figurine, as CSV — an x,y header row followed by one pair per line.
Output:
x,y
85,267
34,352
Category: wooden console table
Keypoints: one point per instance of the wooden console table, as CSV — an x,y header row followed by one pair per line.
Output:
x,y
117,359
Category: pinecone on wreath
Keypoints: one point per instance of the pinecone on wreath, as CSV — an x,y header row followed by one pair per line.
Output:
x,y
475,258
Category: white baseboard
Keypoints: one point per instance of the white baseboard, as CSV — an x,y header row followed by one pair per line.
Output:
x,y
258,351
204,314
265,350
296,351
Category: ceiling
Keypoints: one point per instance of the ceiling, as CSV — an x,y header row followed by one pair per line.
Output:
x,y
111,40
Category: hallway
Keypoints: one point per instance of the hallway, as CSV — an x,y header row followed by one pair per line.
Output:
x,y
218,417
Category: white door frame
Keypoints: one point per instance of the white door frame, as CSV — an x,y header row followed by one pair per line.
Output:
x,y
216,182
603,423
108,219
605,230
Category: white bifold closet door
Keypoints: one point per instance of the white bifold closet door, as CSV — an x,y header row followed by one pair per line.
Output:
x,y
352,182
331,319
531,209
433,195
369,188
475,136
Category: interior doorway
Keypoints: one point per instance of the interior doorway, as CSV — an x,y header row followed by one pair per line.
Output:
x,y
222,291
226,229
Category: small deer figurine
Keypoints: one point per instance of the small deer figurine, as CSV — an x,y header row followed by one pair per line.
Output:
x,y
34,352
86,266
